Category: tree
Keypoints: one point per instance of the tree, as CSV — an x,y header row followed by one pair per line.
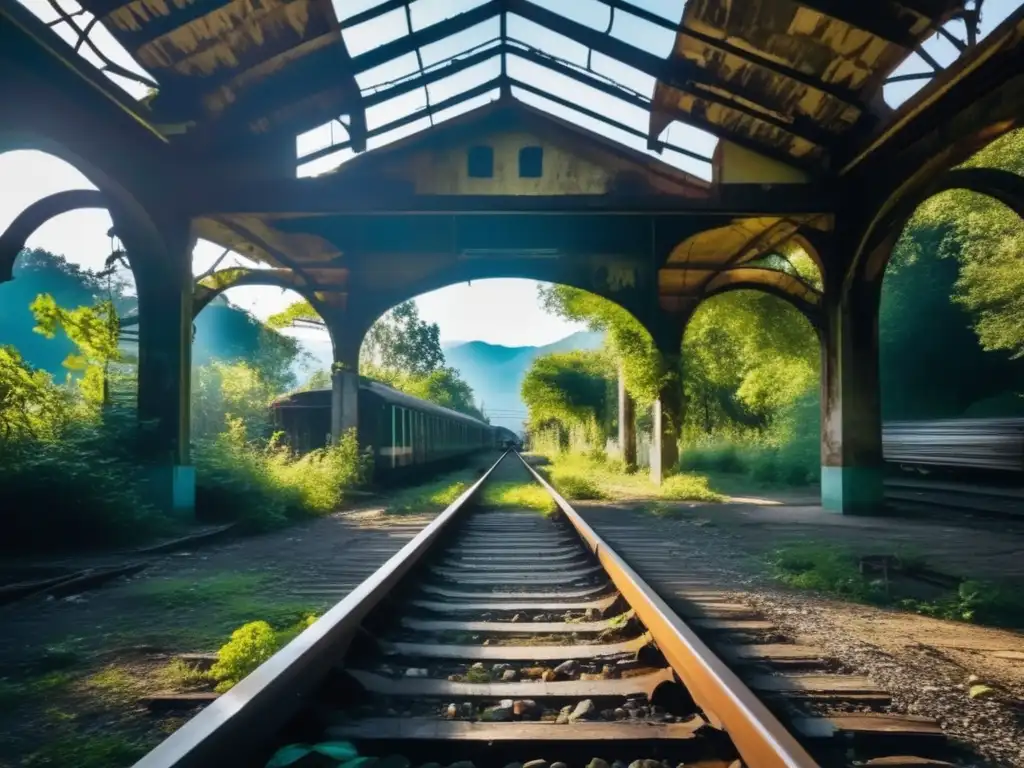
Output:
x,y
94,331
31,405
570,390
402,341
627,340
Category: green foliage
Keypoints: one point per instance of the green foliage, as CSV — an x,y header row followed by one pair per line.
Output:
x,y
823,568
31,405
431,497
251,645
263,486
975,601
401,341
576,487
442,386
627,340
570,390
223,392
518,496
688,487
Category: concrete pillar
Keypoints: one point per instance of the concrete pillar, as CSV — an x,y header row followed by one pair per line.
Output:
x,y
627,424
344,401
851,422
164,373
668,419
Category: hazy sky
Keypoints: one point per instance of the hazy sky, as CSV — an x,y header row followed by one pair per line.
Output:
x,y
463,312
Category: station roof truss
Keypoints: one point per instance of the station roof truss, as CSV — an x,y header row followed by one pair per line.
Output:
x,y
797,81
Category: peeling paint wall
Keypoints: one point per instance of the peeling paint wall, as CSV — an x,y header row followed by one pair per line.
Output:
x,y
733,164
445,171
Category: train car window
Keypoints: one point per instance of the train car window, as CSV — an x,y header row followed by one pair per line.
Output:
x,y
531,162
480,162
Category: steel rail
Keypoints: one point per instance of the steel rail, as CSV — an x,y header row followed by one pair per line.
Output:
x,y
762,741
242,721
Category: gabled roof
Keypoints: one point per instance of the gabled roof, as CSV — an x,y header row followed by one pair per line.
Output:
x,y
799,81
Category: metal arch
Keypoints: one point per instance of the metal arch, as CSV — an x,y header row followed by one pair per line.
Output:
x,y
1003,186
209,287
13,240
810,310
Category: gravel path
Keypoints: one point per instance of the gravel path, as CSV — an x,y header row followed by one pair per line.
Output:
x,y
926,664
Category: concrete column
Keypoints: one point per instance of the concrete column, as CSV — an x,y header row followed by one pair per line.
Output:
x,y
164,375
344,401
851,423
627,425
668,420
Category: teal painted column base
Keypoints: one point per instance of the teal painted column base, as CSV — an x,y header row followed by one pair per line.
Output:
x,y
173,489
851,490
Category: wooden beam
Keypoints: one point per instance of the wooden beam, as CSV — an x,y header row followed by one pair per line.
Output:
x,y
877,18
432,34
367,194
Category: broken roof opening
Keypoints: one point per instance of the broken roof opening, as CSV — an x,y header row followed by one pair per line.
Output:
x,y
796,80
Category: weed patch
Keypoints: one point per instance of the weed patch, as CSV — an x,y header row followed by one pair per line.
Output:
x,y
179,675
518,495
83,750
688,487
835,570
251,645
431,497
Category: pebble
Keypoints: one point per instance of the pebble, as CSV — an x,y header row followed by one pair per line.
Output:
x,y
549,676
620,714
563,715
509,675
498,714
500,668
558,765
597,762
608,714
591,676
533,672
467,709
518,617
567,668
536,764
451,712
584,709
526,708
478,665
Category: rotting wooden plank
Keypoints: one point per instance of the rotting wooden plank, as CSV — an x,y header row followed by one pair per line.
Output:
x,y
540,605
510,627
812,683
867,724
426,729
533,689
498,578
477,594
769,652
512,652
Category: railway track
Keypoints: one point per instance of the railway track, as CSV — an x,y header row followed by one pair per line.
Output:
x,y
928,496
500,637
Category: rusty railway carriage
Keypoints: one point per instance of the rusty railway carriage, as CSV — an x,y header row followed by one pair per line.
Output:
x,y
978,445
404,432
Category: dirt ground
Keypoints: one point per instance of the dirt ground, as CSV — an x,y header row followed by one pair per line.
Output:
x,y
72,670
928,665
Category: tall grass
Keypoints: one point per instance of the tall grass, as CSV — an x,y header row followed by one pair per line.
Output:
x,y
788,453
264,486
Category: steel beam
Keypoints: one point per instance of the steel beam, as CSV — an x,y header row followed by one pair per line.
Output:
x,y
876,18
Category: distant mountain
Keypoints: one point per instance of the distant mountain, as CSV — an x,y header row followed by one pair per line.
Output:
x,y
496,373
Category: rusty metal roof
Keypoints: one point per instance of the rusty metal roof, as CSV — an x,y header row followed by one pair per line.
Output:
x,y
797,81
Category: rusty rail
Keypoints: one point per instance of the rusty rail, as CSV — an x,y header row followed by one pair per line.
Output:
x,y
760,738
238,722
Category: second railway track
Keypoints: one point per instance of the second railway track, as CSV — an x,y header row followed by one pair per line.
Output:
x,y
500,637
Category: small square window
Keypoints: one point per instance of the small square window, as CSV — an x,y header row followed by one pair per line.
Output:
x,y
531,162
480,162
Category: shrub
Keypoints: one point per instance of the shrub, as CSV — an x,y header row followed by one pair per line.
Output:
x,y
251,645
576,487
688,488
521,495
265,486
